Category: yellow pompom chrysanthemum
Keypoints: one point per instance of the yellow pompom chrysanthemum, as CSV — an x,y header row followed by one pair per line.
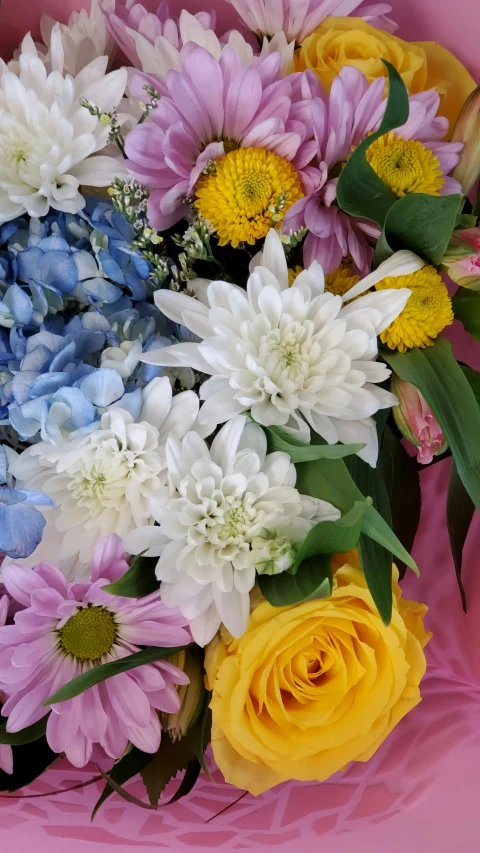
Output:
x,y
405,165
427,312
338,282
248,193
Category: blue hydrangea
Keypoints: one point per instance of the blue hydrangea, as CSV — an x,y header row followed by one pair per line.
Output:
x,y
74,321
63,377
21,523
48,265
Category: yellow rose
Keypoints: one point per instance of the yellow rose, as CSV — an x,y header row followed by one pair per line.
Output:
x,y
422,65
309,688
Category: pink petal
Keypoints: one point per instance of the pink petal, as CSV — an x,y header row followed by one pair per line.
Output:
x,y
6,758
79,750
53,577
28,709
155,634
45,602
94,720
128,700
148,737
21,583
108,555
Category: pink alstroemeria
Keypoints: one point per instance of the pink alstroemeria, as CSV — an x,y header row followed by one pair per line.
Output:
x,y
416,421
462,258
467,130
298,18
66,629
339,121
208,103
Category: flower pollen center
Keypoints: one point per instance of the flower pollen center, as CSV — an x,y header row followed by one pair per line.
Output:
x,y
405,165
89,634
249,192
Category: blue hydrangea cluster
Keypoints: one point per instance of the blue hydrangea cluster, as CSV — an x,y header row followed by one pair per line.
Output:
x,y
74,320
21,523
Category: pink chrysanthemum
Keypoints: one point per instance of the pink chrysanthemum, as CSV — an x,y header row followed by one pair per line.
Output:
x,y
152,40
339,122
6,754
68,628
298,18
211,107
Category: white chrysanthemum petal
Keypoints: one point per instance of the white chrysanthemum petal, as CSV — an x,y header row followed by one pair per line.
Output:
x,y
400,263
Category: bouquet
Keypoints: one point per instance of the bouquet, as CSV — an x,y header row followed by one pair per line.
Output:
x,y
228,264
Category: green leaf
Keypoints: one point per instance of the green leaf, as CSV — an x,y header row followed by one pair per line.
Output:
x,y
402,481
174,756
360,191
108,670
188,782
312,580
125,795
473,378
29,762
138,582
28,735
334,537
460,509
466,220
466,307
330,480
299,452
441,380
376,559
129,766
419,222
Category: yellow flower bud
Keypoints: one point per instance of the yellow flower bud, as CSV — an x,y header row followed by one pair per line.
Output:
x,y
191,695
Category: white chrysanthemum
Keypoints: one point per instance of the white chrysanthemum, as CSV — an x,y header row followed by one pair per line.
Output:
x,y
296,357
223,499
82,39
48,141
102,483
74,45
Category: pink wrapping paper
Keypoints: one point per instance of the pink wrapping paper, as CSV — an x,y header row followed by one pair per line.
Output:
x,y
420,791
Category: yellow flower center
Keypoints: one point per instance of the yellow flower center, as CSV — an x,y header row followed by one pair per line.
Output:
x,y
405,165
248,193
427,312
89,634
338,282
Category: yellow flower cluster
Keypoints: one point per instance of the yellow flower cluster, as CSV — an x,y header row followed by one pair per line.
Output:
x,y
249,192
427,312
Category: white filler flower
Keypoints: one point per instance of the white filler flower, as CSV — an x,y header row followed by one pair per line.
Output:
x,y
297,356
102,482
48,141
224,499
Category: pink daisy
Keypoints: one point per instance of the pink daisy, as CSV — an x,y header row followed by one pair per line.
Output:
x,y
340,121
208,103
298,18
6,754
68,628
